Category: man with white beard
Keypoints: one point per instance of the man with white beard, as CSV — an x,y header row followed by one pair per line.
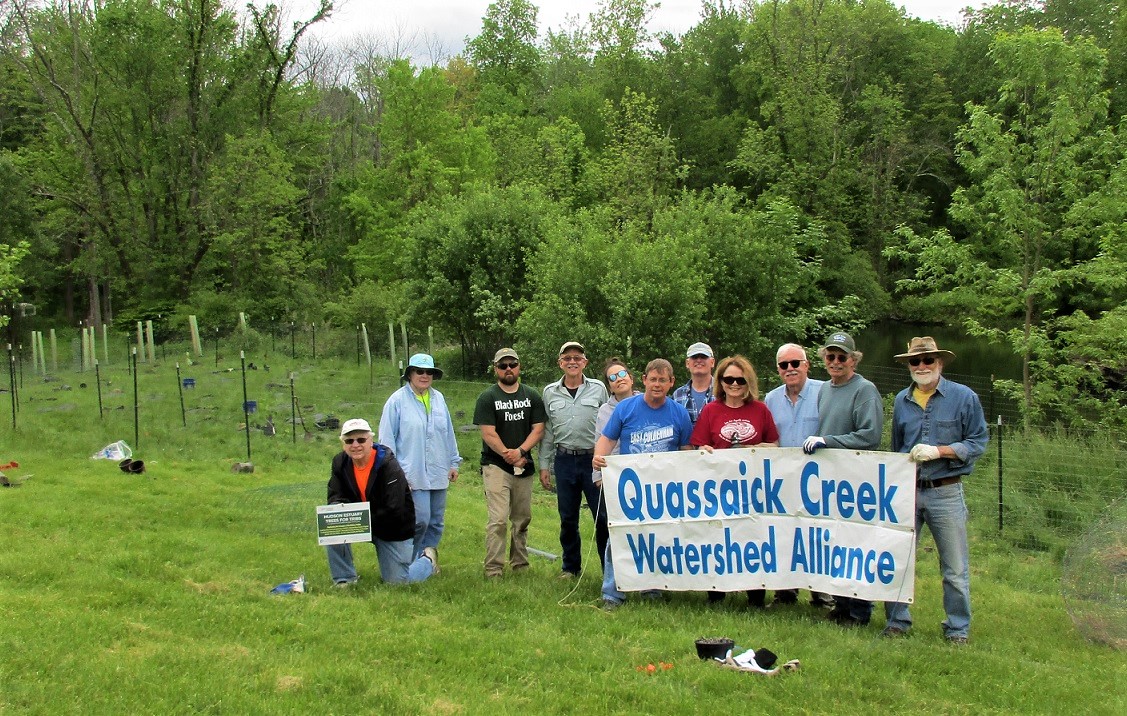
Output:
x,y
940,424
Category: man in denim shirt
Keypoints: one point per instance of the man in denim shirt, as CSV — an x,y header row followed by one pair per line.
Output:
x,y
697,393
940,424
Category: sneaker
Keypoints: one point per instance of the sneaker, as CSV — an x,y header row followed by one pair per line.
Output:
x,y
893,632
609,605
825,601
564,575
432,554
346,584
958,640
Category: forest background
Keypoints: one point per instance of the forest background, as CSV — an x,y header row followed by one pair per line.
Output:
x,y
780,169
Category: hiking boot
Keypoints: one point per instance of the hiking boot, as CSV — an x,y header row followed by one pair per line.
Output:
x,y
958,640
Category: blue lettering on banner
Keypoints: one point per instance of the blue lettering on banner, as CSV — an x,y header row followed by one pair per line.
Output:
x,y
818,498
679,499
815,553
730,557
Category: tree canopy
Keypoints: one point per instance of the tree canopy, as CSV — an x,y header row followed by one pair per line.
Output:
x,y
782,168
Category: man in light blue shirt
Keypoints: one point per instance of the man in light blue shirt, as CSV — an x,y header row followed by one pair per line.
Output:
x,y
940,424
794,406
417,426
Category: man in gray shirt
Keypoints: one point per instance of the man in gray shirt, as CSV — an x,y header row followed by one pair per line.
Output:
x,y
572,404
850,417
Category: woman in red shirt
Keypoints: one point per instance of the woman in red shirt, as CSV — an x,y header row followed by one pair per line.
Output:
x,y
736,419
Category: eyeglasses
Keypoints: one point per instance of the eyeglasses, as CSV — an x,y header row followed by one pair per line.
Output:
x,y
425,371
612,377
358,441
784,364
698,356
733,380
926,360
832,356
508,366
572,359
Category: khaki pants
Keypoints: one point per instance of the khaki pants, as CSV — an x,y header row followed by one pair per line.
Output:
x,y
506,498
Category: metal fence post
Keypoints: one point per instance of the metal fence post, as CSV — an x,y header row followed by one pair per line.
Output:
x,y
1001,503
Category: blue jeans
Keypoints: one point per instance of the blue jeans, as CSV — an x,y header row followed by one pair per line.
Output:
x,y
430,518
944,510
573,482
611,592
397,566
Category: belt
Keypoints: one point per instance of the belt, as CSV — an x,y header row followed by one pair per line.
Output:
x,y
940,482
569,451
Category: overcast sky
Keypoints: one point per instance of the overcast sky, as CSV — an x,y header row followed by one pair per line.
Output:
x,y
450,22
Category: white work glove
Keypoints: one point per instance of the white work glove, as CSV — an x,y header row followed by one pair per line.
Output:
x,y
813,443
923,453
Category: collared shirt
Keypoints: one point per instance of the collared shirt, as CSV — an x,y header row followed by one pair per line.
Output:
x,y
683,396
953,417
423,441
798,420
571,419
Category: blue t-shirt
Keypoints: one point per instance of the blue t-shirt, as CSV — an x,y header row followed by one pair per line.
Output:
x,y
638,428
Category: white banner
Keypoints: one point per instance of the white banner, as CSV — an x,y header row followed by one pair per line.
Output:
x,y
838,521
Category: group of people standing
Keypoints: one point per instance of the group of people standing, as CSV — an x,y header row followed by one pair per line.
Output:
x,y
577,421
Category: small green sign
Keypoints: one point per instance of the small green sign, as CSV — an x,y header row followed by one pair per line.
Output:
x,y
341,524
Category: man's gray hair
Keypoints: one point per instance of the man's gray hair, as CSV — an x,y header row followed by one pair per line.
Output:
x,y
789,346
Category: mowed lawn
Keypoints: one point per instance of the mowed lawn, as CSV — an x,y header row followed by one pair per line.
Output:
x,y
151,593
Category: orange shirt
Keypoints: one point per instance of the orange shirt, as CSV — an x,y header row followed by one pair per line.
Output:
x,y
362,472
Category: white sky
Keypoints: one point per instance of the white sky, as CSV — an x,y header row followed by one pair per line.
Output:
x,y
449,22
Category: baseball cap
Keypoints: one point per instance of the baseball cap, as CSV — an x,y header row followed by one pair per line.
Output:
x,y
355,425
841,341
698,348
572,344
505,353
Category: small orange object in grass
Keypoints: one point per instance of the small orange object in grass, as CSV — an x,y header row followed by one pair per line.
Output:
x,y
652,668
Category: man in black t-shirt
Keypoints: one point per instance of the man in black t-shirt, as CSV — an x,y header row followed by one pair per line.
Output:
x,y
511,418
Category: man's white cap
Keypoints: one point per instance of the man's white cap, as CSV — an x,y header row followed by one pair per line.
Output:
x,y
698,349
355,425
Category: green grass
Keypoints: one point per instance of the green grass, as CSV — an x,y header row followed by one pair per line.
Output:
x,y
150,594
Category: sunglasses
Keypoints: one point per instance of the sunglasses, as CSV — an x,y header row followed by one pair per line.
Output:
x,y
611,377
784,364
733,380
358,441
926,360
425,371
508,366
832,356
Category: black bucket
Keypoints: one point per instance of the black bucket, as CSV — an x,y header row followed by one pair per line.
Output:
x,y
714,648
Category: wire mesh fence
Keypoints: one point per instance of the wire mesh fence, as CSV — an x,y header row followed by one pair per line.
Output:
x,y
1039,488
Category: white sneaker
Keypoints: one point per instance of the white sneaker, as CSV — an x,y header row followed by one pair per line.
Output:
x,y
432,554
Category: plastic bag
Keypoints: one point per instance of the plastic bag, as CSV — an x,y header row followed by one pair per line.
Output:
x,y
114,451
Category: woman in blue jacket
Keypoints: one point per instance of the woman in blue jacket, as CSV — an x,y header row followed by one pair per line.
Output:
x,y
417,426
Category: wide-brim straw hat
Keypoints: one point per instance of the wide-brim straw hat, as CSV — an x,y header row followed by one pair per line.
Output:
x,y
925,346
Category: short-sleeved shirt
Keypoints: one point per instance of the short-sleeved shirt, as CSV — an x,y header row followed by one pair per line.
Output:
x,y
512,415
798,420
721,426
638,428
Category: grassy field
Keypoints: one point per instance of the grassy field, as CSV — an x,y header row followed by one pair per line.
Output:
x,y
150,593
